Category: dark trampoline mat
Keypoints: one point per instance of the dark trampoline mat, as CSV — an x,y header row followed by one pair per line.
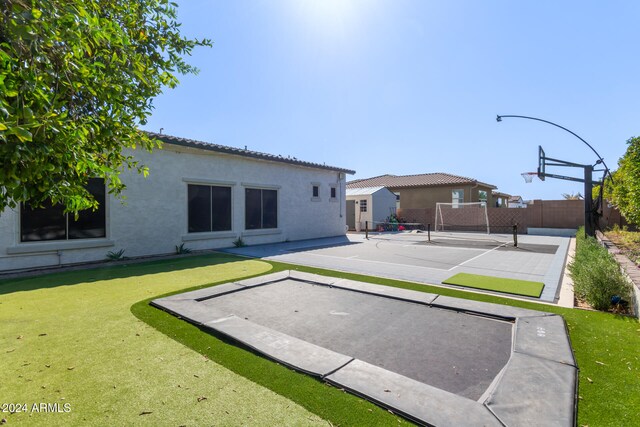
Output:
x,y
457,352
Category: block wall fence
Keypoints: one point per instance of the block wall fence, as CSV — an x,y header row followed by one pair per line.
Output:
x,y
539,214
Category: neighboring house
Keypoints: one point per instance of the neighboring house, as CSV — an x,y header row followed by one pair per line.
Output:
x,y
425,190
517,202
371,204
499,200
203,195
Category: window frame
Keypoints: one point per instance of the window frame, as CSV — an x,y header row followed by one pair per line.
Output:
x,y
72,228
456,201
275,199
486,197
363,205
211,216
333,192
315,192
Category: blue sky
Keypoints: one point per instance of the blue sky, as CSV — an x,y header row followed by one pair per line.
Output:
x,y
413,86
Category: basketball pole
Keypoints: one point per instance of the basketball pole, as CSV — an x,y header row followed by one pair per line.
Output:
x,y
499,119
589,214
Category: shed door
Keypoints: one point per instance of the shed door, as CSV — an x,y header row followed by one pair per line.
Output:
x,y
351,214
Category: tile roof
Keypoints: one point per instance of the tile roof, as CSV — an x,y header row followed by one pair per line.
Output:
x,y
500,194
168,139
421,180
363,191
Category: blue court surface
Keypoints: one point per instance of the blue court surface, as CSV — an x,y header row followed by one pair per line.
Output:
x,y
417,257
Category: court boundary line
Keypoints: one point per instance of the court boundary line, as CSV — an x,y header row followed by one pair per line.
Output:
x,y
504,244
476,257
365,260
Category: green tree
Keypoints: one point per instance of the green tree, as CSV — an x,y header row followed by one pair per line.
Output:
x,y
77,78
624,190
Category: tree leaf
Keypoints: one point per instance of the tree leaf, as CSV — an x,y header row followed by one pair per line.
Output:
x,y
22,134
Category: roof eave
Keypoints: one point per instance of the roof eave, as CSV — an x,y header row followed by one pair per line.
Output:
x,y
492,187
183,142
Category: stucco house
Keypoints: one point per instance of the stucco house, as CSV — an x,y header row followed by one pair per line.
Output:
x,y
425,190
499,200
517,202
369,204
203,195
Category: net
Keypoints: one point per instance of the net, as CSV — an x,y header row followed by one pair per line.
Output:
x,y
528,176
462,217
453,239
468,241
381,227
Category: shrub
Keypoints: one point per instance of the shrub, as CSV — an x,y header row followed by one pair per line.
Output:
x,y
596,275
180,250
115,256
239,243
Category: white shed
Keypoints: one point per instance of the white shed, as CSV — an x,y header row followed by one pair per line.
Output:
x,y
370,204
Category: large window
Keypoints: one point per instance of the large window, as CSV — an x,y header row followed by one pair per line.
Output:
x,y
457,196
209,208
261,209
482,196
51,223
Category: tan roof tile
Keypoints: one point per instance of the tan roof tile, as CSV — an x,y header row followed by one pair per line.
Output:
x,y
420,180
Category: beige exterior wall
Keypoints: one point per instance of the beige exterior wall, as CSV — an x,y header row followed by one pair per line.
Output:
x,y
427,197
499,200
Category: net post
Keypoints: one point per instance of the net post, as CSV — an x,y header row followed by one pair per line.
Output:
x,y
486,217
366,230
515,235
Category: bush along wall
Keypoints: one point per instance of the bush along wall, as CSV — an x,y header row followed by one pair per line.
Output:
x,y
597,277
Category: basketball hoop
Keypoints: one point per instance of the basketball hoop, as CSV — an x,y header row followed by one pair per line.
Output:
x,y
528,176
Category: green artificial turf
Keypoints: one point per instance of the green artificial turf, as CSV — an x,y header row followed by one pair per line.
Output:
x,y
71,338
123,368
498,284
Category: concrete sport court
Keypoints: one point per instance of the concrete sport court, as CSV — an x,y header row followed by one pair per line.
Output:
x,y
435,360
413,257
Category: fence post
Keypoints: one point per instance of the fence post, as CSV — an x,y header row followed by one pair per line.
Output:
x,y
366,230
515,235
429,232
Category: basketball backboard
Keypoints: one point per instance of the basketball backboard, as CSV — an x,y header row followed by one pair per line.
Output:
x,y
541,163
